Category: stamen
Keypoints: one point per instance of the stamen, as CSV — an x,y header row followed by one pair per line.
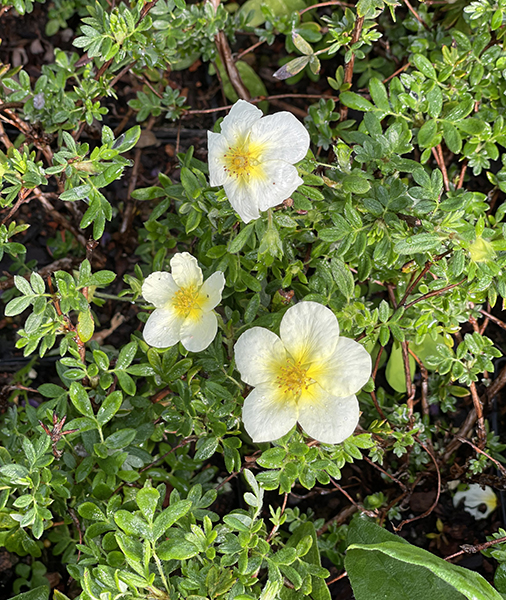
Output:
x,y
293,378
185,300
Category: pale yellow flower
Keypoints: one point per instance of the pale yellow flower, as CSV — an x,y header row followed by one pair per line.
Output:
x,y
253,158
184,305
308,375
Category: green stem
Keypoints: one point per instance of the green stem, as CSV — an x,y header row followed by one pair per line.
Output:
x,y
111,297
160,570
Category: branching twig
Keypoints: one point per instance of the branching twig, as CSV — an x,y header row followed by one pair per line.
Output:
x,y
416,15
434,293
434,504
472,549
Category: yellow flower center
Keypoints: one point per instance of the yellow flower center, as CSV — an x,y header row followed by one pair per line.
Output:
x,y
242,160
186,300
293,378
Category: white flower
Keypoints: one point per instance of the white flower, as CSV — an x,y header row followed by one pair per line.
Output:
x,y
184,305
475,498
308,375
253,158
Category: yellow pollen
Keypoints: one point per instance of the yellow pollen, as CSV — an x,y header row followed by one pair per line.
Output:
x,y
241,160
293,378
185,300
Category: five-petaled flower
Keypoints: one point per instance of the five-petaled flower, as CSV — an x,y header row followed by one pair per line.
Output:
x,y
184,305
308,375
253,158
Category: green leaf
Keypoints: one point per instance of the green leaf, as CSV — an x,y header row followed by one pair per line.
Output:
x,y
356,184
80,399
127,140
240,239
169,516
435,100
452,137
90,511
379,94
427,134
85,325
423,65
421,242
110,407
343,277
394,371
206,447
120,439
38,593
77,193
300,43
147,501
352,100
177,549
403,571
126,355
17,306
292,67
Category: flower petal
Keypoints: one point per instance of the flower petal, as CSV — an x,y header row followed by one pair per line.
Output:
x,y
159,288
236,125
283,136
258,354
211,290
309,332
186,270
241,199
197,334
280,181
162,329
474,498
327,418
266,419
346,371
217,147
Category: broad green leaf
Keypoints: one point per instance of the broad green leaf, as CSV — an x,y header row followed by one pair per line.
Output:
x,y
17,306
169,516
403,571
379,94
85,325
80,399
147,501
109,407
38,593
352,100
423,65
240,239
343,277
435,100
427,134
177,549
394,371
381,564
452,137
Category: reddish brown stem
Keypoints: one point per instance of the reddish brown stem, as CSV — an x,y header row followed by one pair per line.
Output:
x,y
434,504
434,293
482,434
472,549
348,69
416,15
